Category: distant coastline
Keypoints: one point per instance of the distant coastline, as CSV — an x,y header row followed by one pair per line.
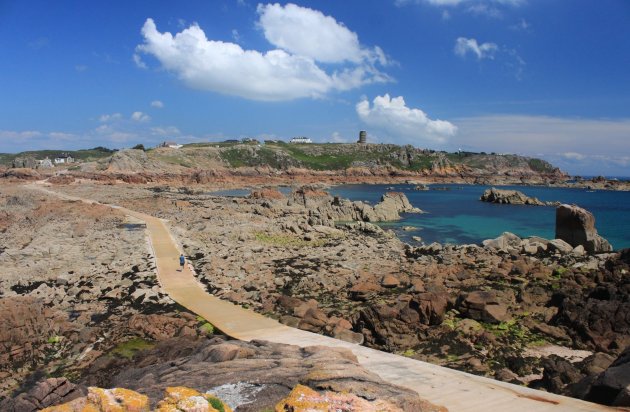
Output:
x,y
233,164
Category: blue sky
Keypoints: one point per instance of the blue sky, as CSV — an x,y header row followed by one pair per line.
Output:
x,y
541,78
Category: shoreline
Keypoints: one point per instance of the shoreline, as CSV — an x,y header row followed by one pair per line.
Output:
x,y
265,176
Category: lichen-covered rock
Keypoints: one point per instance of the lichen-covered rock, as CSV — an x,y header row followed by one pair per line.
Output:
x,y
176,399
303,398
181,398
105,400
274,368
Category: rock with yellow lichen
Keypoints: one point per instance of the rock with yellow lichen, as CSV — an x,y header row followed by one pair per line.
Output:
x,y
184,399
176,399
105,400
303,398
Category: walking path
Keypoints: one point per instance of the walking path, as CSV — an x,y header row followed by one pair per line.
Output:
x,y
457,391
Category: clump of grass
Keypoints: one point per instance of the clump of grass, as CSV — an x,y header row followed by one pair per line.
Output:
x,y
129,348
538,342
55,339
558,272
216,403
409,352
452,358
207,328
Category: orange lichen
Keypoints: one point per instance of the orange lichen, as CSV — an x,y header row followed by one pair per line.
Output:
x,y
182,399
303,398
117,400
105,400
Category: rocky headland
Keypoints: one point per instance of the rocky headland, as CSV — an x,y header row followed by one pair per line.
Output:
x,y
253,163
81,301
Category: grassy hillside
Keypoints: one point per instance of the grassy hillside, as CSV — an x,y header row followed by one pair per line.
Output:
x,y
332,156
281,155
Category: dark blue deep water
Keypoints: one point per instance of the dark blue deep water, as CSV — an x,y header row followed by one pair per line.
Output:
x,y
458,216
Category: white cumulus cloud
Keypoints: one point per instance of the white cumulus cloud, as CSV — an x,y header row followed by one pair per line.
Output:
x,y
13,135
104,118
392,117
140,117
574,156
158,104
310,33
275,75
337,137
483,9
138,61
165,131
463,46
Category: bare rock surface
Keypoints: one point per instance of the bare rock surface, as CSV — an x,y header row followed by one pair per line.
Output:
x,y
471,307
612,386
576,226
76,280
274,368
511,197
49,392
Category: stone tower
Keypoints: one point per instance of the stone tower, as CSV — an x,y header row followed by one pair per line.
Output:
x,y
362,137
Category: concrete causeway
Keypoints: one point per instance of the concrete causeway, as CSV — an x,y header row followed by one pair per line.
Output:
x,y
455,390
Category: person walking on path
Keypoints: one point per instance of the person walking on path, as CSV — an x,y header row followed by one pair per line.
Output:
x,y
182,262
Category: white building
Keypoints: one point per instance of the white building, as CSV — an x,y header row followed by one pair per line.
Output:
x,y
300,139
65,158
172,145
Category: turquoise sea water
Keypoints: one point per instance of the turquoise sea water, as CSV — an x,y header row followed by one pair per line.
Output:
x,y
456,215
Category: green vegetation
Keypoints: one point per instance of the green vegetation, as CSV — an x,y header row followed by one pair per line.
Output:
x,y
537,342
451,323
216,403
558,272
55,339
241,156
129,348
177,160
420,163
511,328
337,156
408,353
207,328
538,165
315,156
324,161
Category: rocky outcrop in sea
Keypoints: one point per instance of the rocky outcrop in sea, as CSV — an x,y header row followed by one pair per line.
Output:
x,y
576,226
511,197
